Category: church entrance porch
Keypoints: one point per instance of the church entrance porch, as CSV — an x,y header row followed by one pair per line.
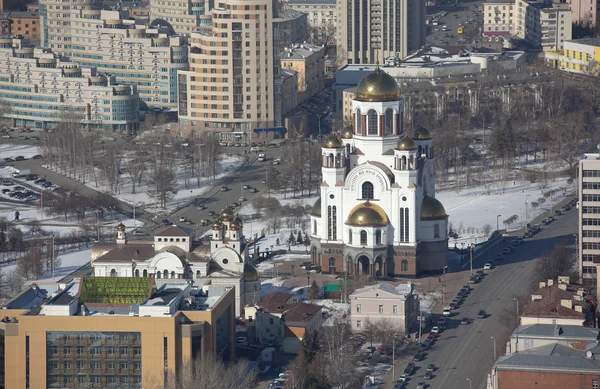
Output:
x,y
363,266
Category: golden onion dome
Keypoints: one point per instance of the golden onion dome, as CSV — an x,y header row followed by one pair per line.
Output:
x,y
406,143
367,215
316,209
251,273
217,225
234,226
333,142
226,214
121,227
347,134
377,86
422,133
432,209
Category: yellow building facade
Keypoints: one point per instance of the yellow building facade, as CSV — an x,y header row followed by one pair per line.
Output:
x,y
578,56
61,342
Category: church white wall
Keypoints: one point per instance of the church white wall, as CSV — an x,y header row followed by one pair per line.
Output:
x,y
427,230
160,242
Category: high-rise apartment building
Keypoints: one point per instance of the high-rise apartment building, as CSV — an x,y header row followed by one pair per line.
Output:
x,y
233,83
589,217
543,24
146,56
370,31
40,86
183,15
322,14
55,20
498,19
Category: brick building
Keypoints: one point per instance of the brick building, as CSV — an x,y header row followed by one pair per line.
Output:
x,y
26,24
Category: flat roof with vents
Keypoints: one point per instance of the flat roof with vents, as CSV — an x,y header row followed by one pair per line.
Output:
x,y
115,290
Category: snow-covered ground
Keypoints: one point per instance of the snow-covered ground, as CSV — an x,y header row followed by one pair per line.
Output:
x,y
11,150
68,264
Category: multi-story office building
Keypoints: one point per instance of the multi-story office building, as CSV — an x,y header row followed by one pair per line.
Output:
x,y
146,56
589,217
370,31
234,82
40,86
542,24
584,12
112,332
183,15
309,63
291,26
55,20
498,17
322,14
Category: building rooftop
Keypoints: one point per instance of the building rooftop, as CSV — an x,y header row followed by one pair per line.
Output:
x,y
586,41
23,14
552,357
311,2
288,14
553,331
400,290
499,2
173,231
115,290
559,300
299,51
302,313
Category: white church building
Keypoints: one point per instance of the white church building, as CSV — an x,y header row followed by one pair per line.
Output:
x,y
221,261
377,213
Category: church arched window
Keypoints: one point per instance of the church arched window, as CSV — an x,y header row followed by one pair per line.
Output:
x,y
404,265
436,231
145,273
363,237
349,236
315,227
113,272
389,122
137,273
358,122
378,237
367,190
372,122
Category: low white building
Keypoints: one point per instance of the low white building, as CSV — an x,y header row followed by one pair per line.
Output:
x,y
374,303
173,253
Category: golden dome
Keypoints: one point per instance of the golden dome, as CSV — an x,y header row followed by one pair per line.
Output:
x,y
316,209
347,133
333,142
234,226
432,209
406,143
217,225
377,86
368,215
250,273
121,227
422,133
226,214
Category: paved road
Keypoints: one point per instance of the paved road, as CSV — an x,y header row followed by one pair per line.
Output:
x,y
467,16
466,351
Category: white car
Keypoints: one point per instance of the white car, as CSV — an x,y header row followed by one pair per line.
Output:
x,y
182,219
447,311
435,330
255,149
138,232
487,266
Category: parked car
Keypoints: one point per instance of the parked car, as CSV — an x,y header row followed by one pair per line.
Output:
x,y
464,320
166,222
9,159
18,187
224,188
447,311
19,158
235,204
403,378
182,219
409,368
428,375
246,186
202,207
506,251
6,191
517,241
37,156
253,190
487,266
421,385
481,314
435,330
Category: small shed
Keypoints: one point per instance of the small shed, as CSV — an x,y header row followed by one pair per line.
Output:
x,y
333,291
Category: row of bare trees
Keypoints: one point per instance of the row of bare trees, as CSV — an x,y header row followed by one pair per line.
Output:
x,y
155,162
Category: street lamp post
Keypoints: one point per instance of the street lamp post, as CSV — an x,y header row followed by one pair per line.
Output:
x,y
526,209
494,339
471,257
307,283
394,356
468,379
497,222
517,300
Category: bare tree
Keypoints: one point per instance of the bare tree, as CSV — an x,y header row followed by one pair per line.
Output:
x,y
14,282
561,261
5,109
163,185
30,266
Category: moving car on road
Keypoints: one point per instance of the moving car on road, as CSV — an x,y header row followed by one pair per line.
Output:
x,y
481,314
464,321
488,266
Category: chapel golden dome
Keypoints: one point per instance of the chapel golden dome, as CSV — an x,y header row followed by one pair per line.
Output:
x,y
316,208
333,142
377,86
422,133
226,214
234,226
432,209
121,227
217,225
367,215
406,143
251,273
347,134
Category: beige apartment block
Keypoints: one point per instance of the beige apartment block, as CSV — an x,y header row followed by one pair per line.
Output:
x,y
498,18
309,62
369,31
183,15
233,84
543,25
382,302
55,20
146,56
43,89
322,14
588,244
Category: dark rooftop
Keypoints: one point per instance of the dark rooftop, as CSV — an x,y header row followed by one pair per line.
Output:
x,y
553,357
172,231
556,331
302,313
549,305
